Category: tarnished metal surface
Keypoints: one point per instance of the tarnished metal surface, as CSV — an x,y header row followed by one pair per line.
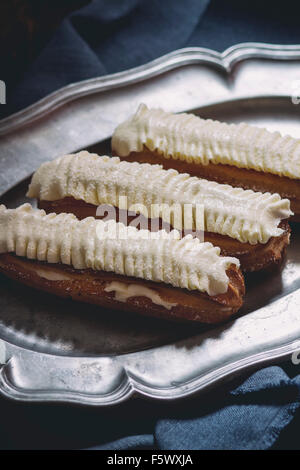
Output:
x,y
58,350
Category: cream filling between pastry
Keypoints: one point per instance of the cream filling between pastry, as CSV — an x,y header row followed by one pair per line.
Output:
x,y
52,275
125,291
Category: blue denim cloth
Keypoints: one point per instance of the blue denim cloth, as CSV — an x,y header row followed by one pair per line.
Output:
x,y
109,36
257,412
249,417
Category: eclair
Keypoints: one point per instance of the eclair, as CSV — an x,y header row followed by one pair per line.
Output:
x,y
248,225
118,267
240,155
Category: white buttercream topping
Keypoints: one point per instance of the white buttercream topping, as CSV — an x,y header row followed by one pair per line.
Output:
x,y
113,247
245,215
190,138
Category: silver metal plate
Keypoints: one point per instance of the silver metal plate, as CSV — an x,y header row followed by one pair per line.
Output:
x,y
57,350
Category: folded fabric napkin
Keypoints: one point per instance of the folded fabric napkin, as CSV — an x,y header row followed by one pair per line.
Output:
x,y
110,36
249,417
106,37
257,412
251,413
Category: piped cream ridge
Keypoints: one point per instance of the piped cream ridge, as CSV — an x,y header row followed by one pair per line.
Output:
x,y
188,137
245,215
113,247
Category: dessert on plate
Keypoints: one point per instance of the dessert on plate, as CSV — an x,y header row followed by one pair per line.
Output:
x,y
108,264
237,154
251,226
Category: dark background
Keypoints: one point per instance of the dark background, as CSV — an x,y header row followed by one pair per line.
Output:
x,y
25,28
39,52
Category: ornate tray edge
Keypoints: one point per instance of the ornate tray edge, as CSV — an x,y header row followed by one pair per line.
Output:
x,y
181,57
132,386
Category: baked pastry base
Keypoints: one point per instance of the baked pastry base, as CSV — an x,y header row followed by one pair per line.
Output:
x,y
89,286
252,257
